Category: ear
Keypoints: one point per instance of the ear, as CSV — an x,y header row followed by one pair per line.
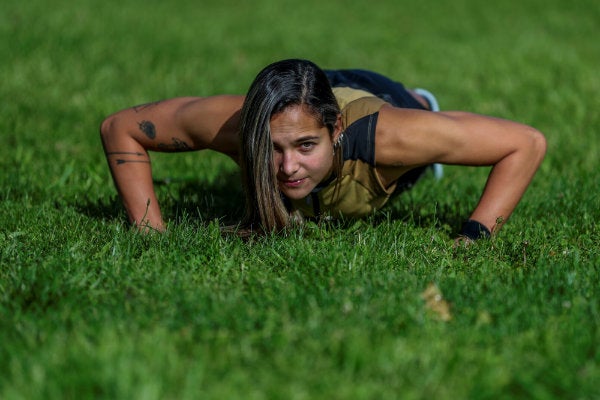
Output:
x,y
338,128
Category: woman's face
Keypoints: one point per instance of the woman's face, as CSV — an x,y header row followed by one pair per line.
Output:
x,y
303,151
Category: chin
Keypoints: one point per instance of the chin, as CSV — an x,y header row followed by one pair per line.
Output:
x,y
295,194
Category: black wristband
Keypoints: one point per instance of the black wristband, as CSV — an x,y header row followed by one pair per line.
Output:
x,y
474,230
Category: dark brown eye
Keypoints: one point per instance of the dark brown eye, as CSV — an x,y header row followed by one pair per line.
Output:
x,y
307,146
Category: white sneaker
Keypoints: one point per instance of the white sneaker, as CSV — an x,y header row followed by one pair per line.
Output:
x,y
433,104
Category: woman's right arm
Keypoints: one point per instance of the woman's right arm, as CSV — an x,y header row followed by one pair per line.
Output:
x,y
175,125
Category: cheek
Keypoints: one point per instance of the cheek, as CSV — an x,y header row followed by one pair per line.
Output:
x,y
322,160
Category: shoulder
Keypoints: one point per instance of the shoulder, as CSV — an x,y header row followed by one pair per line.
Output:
x,y
212,122
356,104
213,105
400,129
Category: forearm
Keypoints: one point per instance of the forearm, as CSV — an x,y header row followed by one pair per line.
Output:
x,y
412,137
130,168
172,125
507,183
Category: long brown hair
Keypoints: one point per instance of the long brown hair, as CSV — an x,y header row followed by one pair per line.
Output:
x,y
278,86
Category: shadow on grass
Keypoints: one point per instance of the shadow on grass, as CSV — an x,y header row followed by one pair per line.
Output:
x,y
180,200
445,216
413,210
222,199
200,201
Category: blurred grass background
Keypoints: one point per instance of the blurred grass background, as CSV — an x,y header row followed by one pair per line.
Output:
x,y
90,309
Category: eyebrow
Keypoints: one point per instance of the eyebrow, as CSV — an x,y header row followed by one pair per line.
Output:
x,y
305,138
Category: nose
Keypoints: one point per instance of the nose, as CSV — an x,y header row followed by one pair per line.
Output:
x,y
289,163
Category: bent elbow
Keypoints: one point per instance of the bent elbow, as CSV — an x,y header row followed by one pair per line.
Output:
x,y
108,129
538,145
106,125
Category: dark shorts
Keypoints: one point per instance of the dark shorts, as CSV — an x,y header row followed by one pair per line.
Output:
x,y
383,87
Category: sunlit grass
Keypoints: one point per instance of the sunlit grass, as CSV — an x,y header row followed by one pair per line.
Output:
x,y
90,308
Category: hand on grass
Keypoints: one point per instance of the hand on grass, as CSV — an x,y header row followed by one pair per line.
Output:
x,y
463,241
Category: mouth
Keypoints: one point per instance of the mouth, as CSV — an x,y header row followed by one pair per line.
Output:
x,y
291,183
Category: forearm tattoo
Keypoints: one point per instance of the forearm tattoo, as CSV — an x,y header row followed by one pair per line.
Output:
x,y
128,154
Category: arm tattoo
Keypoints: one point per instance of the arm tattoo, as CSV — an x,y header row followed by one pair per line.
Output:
x,y
175,145
131,153
121,161
142,107
127,153
148,128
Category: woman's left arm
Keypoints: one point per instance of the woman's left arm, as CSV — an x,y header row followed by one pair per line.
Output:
x,y
412,137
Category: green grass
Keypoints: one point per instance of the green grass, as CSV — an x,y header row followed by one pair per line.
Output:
x,y
90,309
